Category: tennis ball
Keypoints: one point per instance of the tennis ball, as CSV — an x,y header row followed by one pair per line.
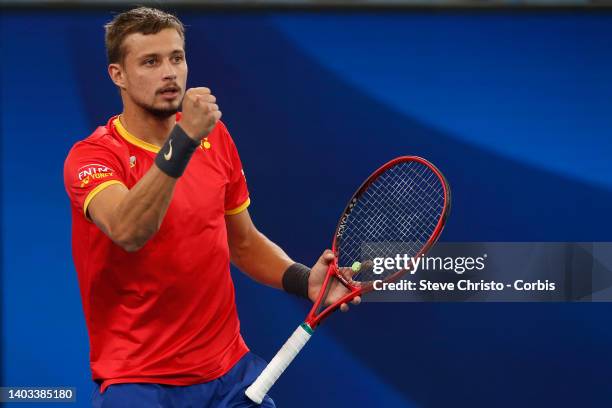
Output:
x,y
356,266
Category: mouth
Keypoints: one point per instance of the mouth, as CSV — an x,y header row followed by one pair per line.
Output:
x,y
170,92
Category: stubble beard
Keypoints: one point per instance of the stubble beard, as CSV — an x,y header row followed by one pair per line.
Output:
x,y
160,113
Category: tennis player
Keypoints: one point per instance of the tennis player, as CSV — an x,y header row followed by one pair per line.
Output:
x,y
159,208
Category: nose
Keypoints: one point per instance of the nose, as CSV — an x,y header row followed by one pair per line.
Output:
x,y
169,70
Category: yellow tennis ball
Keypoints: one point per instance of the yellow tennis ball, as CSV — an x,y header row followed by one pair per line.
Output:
x,y
356,266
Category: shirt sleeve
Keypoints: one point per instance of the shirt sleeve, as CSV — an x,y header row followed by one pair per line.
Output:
x,y
89,169
237,194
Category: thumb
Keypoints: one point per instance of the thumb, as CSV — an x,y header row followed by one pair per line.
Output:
x,y
326,258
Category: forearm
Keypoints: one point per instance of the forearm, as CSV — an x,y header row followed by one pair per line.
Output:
x,y
261,259
140,213
131,217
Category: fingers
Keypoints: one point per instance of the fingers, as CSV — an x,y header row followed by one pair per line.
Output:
x,y
207,106
348,274
327,257
206,101
208,98
200,112
202,90
338,290
345,308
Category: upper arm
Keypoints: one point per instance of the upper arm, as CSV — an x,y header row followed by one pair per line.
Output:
x,y
253,253
237,192
95,181
240,230
102,207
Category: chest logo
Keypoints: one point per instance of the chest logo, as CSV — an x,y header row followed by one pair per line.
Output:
x,y
205,144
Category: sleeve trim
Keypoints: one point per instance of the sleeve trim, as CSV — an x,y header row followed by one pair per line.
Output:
x,y
95,191
239,209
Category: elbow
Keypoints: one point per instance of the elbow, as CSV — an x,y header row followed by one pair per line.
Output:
x,y
239,251
132,240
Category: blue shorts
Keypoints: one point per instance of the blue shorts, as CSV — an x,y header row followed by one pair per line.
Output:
x,y
226,391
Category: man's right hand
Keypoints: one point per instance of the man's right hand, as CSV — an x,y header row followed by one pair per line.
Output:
x,y
200,113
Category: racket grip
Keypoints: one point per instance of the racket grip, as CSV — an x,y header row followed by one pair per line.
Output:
x,y
257,391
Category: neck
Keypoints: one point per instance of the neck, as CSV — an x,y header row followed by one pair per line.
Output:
x,y
145,126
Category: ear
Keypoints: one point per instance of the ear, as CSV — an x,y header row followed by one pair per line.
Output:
x,y
117,75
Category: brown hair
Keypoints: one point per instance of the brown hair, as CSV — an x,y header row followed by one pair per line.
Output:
x,y
144,20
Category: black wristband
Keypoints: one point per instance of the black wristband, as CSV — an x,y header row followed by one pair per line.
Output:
x,y
295,280
173,158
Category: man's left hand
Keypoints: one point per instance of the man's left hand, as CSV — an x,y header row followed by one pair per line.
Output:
x,y
337,289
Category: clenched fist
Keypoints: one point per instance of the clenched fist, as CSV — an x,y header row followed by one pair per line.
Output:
x,y
200,113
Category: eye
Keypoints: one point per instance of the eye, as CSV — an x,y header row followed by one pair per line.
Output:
x,y
178,58
149,62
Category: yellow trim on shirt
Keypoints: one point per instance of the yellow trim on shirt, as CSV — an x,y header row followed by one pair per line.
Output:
x,y
95,191
133,139
240,209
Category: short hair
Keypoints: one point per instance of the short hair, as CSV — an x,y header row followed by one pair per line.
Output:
x,y
144,20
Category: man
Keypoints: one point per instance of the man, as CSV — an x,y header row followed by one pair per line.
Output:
x,y
159,207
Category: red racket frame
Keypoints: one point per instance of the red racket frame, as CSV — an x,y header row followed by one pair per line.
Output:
x,y
312,319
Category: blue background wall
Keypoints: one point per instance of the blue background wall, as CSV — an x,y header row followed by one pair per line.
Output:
x,y
513,107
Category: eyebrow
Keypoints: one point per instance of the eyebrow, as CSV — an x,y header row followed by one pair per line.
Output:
x,y
177,51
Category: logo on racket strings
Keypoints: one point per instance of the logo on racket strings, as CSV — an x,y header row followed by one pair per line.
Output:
x,y
344,218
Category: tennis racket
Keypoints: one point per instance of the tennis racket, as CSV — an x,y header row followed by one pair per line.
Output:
x,y
400,209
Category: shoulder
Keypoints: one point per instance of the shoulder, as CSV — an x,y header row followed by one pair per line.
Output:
x,y
220,131
102,144
221,134
102,139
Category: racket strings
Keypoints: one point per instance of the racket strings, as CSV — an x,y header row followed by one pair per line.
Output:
x,y
396,215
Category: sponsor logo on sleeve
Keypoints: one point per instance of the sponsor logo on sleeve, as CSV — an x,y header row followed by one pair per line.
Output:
x,y
92,172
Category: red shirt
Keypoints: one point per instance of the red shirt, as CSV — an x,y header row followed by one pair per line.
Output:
x,y
165,313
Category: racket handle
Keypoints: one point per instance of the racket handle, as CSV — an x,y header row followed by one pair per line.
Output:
x,y
257,391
